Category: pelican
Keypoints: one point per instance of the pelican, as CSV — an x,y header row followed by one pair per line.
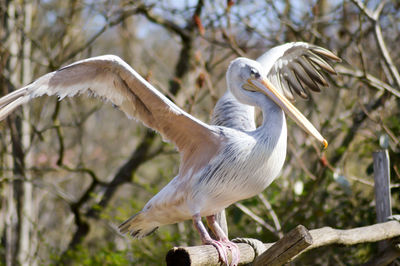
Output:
x,y
221,163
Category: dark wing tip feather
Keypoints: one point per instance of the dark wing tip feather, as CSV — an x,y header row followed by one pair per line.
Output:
x,y
283,85
294,83
325,53
312,71
304,77
320,62
299,68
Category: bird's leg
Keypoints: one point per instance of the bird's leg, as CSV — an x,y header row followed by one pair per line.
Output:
x,y
207,240
221,236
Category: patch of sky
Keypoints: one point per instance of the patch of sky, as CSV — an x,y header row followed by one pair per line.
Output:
x,y
94,16
51,17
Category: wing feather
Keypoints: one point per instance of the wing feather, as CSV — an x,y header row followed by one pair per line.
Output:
x,y
293,82
297,67
312,71
111,79
302,75
321,63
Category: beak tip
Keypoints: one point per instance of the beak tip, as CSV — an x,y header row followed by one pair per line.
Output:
x,y
325,143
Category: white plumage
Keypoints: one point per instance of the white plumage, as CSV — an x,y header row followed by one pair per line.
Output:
x,y
221,163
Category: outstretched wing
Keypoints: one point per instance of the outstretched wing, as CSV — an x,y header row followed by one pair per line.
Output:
x,y
296,67
110,78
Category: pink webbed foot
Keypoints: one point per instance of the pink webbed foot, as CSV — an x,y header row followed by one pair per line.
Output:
x,y
221,249
222,244
223,239
235,253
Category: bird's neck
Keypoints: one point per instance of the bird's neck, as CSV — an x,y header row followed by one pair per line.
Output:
x,y
274,122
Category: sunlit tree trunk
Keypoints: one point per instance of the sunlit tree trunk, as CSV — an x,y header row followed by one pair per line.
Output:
x,y
28,239
20,212
11,218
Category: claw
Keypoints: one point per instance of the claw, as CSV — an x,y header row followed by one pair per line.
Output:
x,y
222,244
222,248
222,252
235,254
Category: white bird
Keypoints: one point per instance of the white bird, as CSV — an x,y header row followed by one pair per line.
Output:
x,y
221,163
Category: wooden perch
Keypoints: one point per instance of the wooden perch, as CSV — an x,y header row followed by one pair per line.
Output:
x,y
207,255
286,248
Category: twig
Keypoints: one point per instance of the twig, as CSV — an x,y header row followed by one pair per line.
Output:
x,y
367,78
256,218
167,24
123,15
360,180
273,215
373,16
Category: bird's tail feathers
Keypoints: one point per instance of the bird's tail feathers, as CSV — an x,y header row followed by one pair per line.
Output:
x,y
138,226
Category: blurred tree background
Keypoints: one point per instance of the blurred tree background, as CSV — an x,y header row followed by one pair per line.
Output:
x,y
71,171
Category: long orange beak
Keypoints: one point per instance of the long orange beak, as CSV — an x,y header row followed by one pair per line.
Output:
x,y
267,88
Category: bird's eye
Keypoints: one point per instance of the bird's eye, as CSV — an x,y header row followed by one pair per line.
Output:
x,y
254,73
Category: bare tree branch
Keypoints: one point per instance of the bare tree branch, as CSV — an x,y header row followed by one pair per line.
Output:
x,y
373,16
257,218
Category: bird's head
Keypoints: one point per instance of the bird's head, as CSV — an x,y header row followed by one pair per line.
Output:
x,y
240,74
248,82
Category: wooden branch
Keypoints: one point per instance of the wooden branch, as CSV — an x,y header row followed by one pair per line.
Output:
x,y
372,233
167,24
367,78
286,248
207,255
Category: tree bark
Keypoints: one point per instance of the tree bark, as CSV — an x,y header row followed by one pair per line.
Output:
x,y
20,210
28,240
11,244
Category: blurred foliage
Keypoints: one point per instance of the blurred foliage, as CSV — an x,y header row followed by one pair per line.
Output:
x,y
78,146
